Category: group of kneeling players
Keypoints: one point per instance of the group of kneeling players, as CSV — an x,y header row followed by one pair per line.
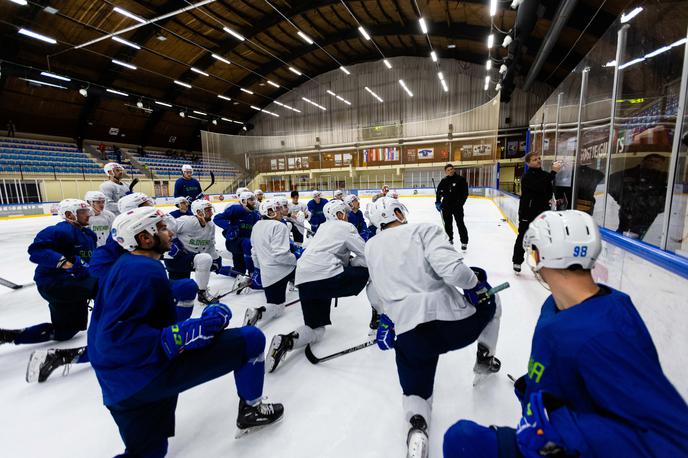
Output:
x,y
594,385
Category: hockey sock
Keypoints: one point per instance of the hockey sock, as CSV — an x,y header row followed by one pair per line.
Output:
x,y
249,378
306,335
202,264
36,334
272,310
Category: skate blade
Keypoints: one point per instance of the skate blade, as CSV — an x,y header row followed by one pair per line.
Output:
x,y
480,378
33,369
417,445
246,431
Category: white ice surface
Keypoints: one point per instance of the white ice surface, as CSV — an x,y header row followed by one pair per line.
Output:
x,y
347,407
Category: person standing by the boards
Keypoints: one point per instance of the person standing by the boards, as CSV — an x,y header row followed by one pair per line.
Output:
x,y
451,195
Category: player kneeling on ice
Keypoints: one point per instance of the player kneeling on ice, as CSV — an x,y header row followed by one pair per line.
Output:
x,y
183,208
194,249
273,260
101,220
594,385
323,272
355,216
143,358
62,253
416,272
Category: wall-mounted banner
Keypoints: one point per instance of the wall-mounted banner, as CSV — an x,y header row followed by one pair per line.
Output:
x,y
387,154
426,153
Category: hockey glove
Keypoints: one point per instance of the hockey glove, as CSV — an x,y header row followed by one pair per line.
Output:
x,y
535,435
184,290
438,206
216,317
520,388
79,268
217,264
174,250
477,295
296,249
256,282
232,233
385,333
189,334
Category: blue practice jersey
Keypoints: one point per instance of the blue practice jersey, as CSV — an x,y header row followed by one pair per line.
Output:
x,y
124,334
187,188
104,257
317,215
599,359
177,213
357,219
54,242
238,219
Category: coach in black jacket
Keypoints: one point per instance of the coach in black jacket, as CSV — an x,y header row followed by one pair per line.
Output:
x,y
537,187
452,193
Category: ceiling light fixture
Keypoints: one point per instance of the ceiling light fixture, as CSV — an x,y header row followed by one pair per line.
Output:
x,y
364,33
313,103
387,64
124,64
20,2
295,71
502,69
37,36
84,92
423,25
221,59
440,75
305,37
444,85
200,113
43,83
490,40
139,104
507,41
343,100
200,72
627,17
255,107
246,91
408,91
236,35
493,7
57,77
163,104
125,42
272,83
488,65
433,56
342,68
370,91
223,97
126,13
182,114
112,91
183,84
214,122
227,120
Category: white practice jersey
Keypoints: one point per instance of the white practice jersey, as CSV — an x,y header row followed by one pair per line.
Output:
x,y
294,209
416,272
113,193
194,237
270,250
329,250
101,225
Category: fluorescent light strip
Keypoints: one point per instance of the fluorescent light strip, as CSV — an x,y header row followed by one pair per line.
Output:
x,y
370,91
123,64
37,36
238,122
387,64
43,83
343,100
200,72
182,83
423,26
493,7
632,62
224,97
305,37
279,103
313,103
364,33
627,17
656,52
488,65
293,70
444,86
163,104
255,107
20,2
490,41
236,35
125,42
221,59
200,113
126,13
271,83
196,118
440,75
408,91
342,68
112,91
433,56
331,93
487,79
57,77
245,90
225,119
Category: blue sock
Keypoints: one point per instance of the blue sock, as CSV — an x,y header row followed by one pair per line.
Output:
x,y
36,334
83,358
227,271
249,378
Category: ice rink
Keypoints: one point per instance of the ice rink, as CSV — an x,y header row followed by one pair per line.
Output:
x,y
347,407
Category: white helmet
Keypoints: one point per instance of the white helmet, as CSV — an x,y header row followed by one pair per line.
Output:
x,y
316,194
128,225
333,207
133,200
94,196
350,199
563,239
267,205
382,211
110,167
179,200
394,194
72,205
245,196
339,194
240,190
258,192
187,168
200,205
282,201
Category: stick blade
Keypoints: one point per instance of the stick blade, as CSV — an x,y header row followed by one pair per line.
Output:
x,y
310,356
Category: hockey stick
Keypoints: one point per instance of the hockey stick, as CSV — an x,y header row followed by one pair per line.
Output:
x,y
212,182
13,285
297,224
315,360
134,182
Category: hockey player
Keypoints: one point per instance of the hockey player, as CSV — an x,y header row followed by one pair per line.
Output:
x,y
416,273
183,208
274,260
356,216
298,213
323,272
383,193
236,223
62,252
114,189
451,196
594,385
101,220
187,186
259,195
339,195
372,229
143,359
394,195
315,208
194,249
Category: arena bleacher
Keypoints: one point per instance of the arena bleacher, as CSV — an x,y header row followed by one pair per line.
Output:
x,y
165,166
38,156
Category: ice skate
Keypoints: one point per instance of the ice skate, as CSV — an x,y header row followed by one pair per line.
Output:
x,y
42,363
254,418
8,335
374,322
485,364
291,286
517,268
417,440
253,315
464,246
205,297
280,345
241,282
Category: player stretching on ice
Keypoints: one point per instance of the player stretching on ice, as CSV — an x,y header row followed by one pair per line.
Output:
x,y
236,223
183,208
594,386
194,249
322,273
143,359
298,213
356,216
274,260
114,189
62,252
416,272
101,220
315,208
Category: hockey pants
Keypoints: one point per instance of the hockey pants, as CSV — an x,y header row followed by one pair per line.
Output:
x,y
468,439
